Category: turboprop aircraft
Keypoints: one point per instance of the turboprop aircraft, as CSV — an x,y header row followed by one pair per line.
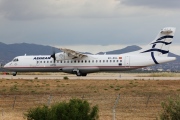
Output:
x,y
70,61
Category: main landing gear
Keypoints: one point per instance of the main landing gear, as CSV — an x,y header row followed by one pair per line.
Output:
x,y
81,74
78,73
14,73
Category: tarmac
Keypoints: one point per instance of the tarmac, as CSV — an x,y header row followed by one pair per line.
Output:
x,y
97,76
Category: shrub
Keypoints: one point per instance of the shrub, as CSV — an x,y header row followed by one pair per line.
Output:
x,y
171,109
76,109
66,78
39,113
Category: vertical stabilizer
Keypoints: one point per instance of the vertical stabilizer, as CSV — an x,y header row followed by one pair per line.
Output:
x,y
160,46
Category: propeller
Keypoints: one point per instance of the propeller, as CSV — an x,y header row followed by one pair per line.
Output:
x,y
53,56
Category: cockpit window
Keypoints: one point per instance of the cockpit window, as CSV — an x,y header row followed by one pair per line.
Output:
x,y
15,60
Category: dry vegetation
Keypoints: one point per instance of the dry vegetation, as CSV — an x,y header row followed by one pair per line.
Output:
x,y
139,99
160,74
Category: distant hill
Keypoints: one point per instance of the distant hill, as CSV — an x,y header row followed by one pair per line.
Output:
x,y
123,50
9,51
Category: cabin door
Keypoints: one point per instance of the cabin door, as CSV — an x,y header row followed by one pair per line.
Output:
x,y
127,61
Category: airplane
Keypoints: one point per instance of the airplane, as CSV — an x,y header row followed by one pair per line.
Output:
x,y
70,61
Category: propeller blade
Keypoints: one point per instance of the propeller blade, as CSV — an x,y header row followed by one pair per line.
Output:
x,y
53,56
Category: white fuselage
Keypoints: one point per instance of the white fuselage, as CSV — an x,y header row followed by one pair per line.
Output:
x,y
90,64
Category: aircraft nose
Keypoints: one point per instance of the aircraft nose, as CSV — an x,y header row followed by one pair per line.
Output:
x,y
6,65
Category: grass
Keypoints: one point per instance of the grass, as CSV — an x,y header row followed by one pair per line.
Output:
x,y
134,95
117,89
160,74
13,88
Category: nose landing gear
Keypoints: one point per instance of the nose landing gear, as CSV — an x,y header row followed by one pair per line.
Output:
x,y
14,73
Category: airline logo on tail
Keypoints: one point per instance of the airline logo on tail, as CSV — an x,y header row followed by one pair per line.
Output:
x,y
162,40
158,41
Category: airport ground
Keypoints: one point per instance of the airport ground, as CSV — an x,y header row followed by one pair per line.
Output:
x,y
95,76
140,94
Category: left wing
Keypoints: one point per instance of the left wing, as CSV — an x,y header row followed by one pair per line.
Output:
x,y
73,53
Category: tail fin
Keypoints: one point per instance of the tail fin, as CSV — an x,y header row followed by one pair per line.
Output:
x,y
160,46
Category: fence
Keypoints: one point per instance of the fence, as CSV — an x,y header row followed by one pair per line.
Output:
x,y
128,107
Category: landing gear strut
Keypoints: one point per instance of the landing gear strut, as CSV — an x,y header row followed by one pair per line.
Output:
x,y
78,73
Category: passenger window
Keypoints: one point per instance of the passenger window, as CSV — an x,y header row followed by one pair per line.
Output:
x,y
64,61
99,60
89,61
44,61
82,61
103,60
50,61
40,61
78,61
106,60
96,60
85,61
113,60
92,60
37,61
74,61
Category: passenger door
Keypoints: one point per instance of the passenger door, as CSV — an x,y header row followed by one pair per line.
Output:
x,y
127,61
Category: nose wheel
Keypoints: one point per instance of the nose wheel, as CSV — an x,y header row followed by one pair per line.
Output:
x,y
14,73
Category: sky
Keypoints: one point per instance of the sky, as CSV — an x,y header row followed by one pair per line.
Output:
x,y
88,25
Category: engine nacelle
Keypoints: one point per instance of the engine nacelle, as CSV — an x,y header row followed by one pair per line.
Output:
x,y
62,56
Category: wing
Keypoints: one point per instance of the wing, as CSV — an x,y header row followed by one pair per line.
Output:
x,y
73,53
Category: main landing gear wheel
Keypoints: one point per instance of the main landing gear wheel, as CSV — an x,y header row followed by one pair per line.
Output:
x,y
78,73
14,73
81,74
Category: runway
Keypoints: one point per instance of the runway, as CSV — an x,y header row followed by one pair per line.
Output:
x,y
98,76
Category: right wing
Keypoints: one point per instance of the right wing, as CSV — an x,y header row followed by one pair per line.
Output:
x,y
73,53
